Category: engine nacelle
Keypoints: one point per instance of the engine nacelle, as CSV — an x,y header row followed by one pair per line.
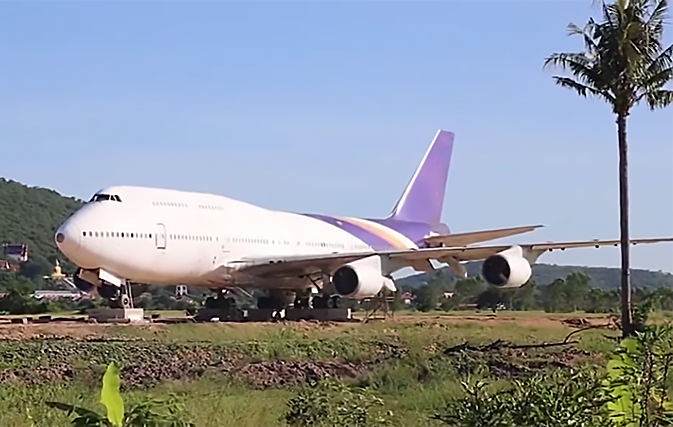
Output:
x,y
360,281
507,269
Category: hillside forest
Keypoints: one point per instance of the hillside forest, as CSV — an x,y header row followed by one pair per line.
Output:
x,y
30,215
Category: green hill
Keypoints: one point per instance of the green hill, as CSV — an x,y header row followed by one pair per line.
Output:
x,y
602,277
30,215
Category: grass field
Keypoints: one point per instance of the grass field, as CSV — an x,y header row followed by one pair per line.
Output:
x,y
243,374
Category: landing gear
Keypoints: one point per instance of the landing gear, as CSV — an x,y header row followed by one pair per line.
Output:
x,y
117,297
221,306
120,304
326,298
327,301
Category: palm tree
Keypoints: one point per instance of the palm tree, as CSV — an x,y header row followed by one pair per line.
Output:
x,y
623,63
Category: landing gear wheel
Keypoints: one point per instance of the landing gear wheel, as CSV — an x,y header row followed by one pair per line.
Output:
x,y
302,303
334,301
125,301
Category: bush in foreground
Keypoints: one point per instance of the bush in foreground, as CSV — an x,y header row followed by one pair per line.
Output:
x,y
332,404
151,413
632,393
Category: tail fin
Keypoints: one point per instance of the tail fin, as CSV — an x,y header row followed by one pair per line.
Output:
x,y
423,198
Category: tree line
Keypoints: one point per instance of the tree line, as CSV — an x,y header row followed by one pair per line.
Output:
x,y
575,292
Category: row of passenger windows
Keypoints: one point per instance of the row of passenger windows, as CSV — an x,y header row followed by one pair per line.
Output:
x,y
116,198
287,243
185,205
190,237
172,204
211,207
119,234
122,234
134,235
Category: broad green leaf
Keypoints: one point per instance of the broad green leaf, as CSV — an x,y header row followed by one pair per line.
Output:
x,y
110,397
631,345
623,410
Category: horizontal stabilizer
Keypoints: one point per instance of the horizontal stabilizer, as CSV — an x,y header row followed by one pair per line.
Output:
x,y
469,238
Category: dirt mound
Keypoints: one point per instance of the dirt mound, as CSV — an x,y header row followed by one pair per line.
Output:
x,y
283,373
262,375
53,331
576,322
38,376
508,363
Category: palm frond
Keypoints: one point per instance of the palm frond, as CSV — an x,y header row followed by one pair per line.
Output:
x,y
661,98
587,34
622,61
582,89
665,59
657,80
657,18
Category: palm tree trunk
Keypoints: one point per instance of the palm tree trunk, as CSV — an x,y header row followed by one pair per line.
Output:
x,y
627,320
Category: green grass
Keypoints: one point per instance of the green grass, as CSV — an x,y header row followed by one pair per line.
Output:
x,y
404,363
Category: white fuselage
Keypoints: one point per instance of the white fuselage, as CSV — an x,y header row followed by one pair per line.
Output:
x,y
160,236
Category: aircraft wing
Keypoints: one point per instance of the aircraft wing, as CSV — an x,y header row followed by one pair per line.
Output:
x,y
311,264
463,239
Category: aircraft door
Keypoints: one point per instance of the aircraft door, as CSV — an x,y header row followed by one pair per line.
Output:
x,y
160,236
226,242
221,255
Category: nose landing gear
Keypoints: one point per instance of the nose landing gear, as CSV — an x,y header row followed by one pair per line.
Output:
x,y
117,296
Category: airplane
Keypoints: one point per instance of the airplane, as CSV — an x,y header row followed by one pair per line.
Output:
x,y
128,235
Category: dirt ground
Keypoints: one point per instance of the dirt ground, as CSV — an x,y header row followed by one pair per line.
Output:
x,y
46,353
89,331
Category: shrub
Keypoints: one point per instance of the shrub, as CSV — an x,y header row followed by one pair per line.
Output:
x,y
332,403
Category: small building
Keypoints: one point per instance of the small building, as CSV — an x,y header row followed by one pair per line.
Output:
x,y
407,298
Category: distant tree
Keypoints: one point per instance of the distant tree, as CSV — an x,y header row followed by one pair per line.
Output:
x,y
623,63
427,297
467,290
18,298
448,304
575,288
553,297
601,301
490,298
524,297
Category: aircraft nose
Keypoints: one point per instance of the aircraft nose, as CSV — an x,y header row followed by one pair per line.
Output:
x,y
68,237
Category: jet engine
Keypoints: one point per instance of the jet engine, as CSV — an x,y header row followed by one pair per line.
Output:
x,y
507,269
359,281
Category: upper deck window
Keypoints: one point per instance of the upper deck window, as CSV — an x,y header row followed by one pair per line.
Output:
x,y
100,197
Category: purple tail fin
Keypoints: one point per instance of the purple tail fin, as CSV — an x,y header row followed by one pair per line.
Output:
x,y
423,198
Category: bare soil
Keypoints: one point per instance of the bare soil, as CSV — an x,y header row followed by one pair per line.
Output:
x,y
65,352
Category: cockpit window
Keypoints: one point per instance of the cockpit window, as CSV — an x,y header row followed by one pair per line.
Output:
x,y
101,197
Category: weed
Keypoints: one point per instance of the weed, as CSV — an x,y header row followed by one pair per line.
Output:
x,y
151,413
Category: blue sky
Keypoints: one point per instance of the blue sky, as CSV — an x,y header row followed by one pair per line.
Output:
x,y
328,107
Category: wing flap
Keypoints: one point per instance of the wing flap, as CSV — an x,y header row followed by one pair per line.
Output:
x,y
469,238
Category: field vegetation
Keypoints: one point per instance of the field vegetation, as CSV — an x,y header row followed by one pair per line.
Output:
x,y
406,371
